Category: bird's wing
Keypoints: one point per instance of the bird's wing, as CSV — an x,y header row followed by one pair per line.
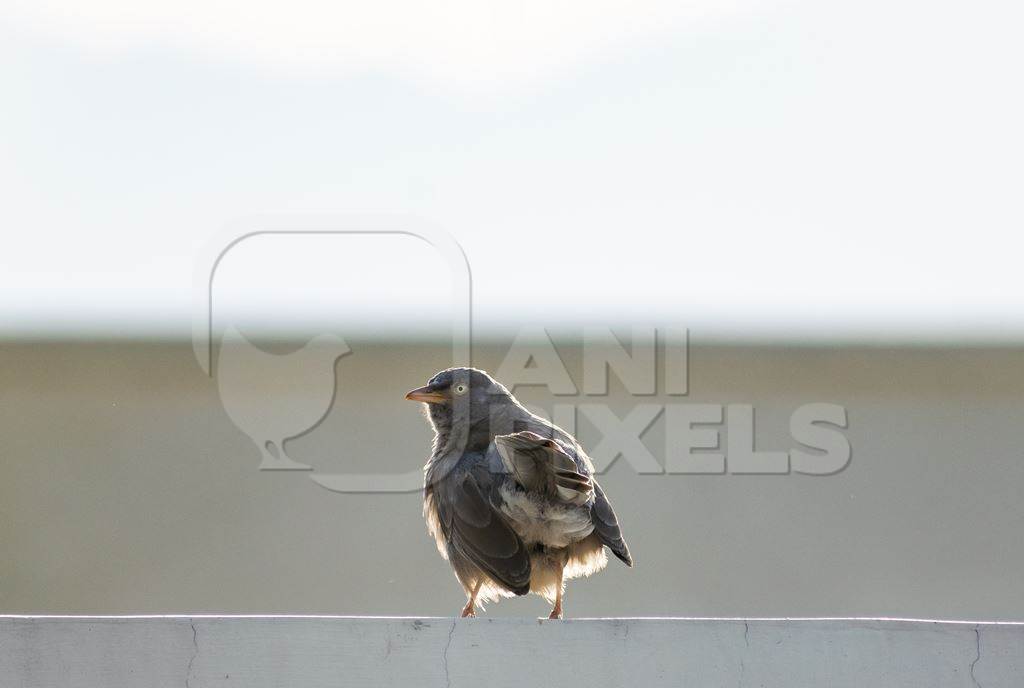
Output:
x,y
606,525
479,532
544,465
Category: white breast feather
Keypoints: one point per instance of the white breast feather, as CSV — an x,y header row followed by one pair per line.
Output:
x,y
538,520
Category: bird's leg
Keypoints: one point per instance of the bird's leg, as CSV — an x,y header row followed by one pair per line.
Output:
x,y
470,608
556,612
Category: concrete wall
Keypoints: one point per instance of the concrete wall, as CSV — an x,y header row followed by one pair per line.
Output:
x,y
125,488
263,651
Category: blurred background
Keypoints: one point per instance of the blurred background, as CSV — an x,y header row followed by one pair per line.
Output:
x,y
826,195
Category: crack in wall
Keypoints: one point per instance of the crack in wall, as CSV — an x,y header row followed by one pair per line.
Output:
x,y
977,655
743,663
444,655
195,652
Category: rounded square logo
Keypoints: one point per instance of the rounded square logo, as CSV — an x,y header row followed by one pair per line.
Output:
x,y
316,293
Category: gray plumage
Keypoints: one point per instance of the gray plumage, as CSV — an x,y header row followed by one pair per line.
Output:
x,y
510,498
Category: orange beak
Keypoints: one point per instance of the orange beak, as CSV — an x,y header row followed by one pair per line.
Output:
x,y
426,395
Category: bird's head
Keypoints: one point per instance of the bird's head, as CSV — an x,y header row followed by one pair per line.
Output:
x,y
466,403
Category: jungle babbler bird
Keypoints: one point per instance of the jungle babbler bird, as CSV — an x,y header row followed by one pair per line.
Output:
x,y
510,498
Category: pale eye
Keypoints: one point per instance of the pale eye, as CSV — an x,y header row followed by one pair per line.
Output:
x,y
460,388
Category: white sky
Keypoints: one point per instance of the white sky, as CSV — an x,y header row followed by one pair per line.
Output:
x,y
795,168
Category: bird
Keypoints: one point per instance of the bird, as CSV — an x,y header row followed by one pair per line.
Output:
x,y
510,499
272,397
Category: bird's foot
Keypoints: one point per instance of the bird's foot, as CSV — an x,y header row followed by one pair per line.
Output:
x,y
556,613
274,459
468,610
